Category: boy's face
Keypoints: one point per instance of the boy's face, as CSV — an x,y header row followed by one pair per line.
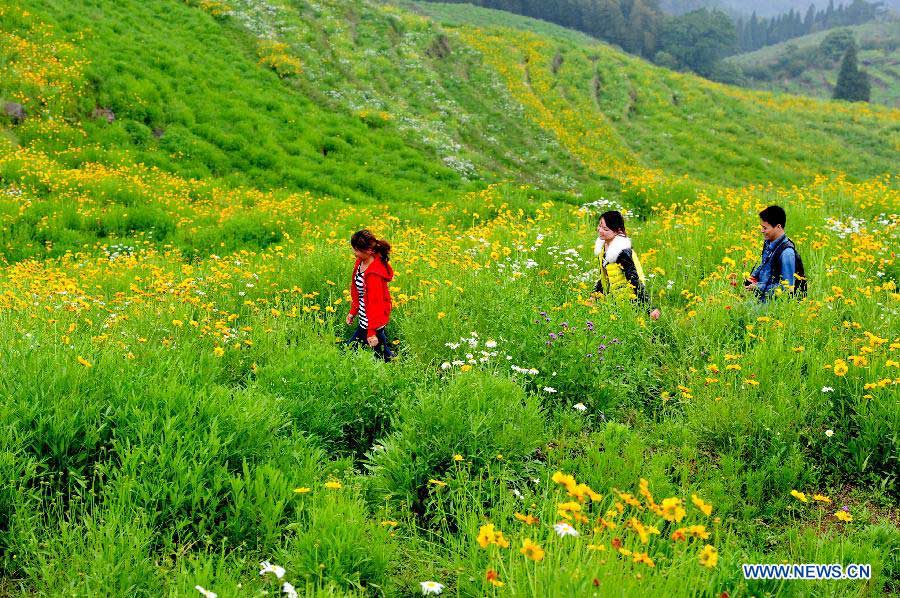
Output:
x,y
769,232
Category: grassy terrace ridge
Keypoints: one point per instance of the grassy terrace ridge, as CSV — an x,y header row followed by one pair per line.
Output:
x,y
711,132
175,411
882,64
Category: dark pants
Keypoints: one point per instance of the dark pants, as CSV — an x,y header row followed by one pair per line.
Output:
x,y
382,349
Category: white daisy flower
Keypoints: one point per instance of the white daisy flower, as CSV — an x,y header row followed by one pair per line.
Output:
x,y
431,588
564,529
267,567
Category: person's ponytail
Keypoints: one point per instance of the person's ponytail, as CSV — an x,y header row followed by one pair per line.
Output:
x,y
383,248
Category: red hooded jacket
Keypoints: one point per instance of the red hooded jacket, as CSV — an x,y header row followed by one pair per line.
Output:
x,y
377,297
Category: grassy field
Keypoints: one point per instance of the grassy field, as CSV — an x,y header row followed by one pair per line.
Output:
x,y
876,57
176,410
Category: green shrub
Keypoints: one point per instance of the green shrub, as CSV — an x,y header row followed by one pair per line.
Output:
x,y
345,400
477,416
335,542
103,553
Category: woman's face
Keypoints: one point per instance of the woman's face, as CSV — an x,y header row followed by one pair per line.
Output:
x,y
604,232
362,254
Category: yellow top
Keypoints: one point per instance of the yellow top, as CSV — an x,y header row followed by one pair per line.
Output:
x,y
614,282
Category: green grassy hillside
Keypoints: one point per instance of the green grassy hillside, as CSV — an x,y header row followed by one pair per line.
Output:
x,y
878,56
175,411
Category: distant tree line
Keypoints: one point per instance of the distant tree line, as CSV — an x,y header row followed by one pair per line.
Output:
x,y
755,33
632,24
695,41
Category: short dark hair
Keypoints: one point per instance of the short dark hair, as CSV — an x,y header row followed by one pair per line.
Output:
x,y
614,221
774,215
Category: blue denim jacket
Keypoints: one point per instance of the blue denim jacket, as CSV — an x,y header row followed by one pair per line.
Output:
x,y
763,272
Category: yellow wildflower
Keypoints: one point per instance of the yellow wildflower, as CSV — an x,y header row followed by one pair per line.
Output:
x,y
643,557
672,510
709,556
532,550
840,368
704,507
488,535
526,519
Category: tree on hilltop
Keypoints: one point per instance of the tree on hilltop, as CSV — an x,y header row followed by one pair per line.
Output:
x,y
853,83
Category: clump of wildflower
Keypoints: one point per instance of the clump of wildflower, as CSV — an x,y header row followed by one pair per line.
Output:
x,y
576,490
526,519
692,531
493,578
840,368
643,557
532,550
488,535
571,510
704,507
709,556
672,509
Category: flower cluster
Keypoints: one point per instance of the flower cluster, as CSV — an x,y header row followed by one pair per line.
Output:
x,y
615,524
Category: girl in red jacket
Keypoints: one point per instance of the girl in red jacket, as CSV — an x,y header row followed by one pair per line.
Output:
x,y
370,298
